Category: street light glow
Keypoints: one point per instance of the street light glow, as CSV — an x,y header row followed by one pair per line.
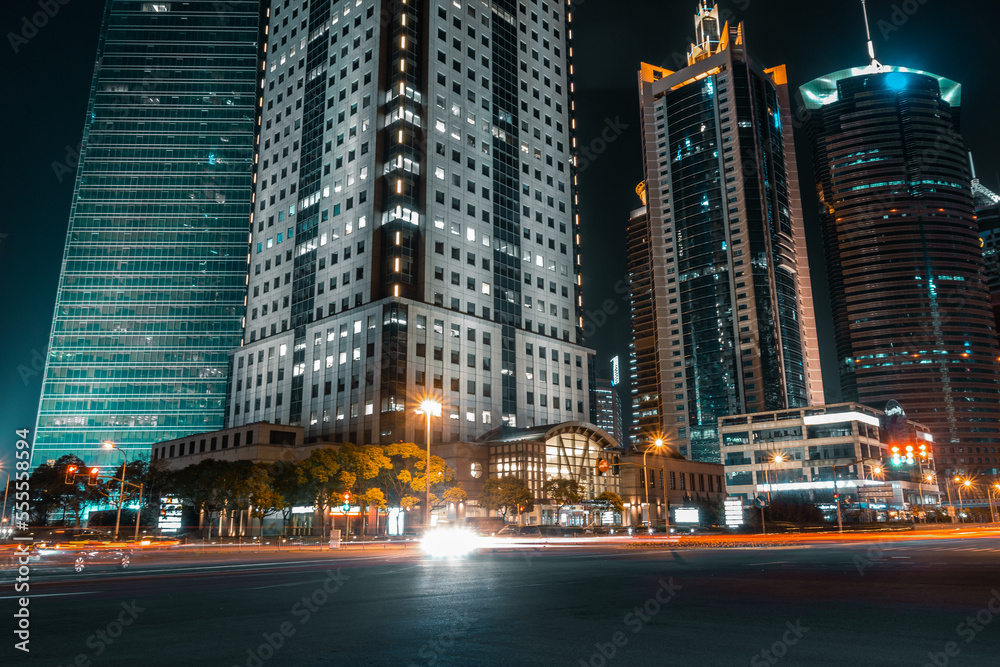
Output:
x,y
431,407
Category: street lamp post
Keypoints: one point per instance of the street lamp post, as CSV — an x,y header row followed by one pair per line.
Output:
x,y
991,496
108,444
966,483
3,515
428,407
657,444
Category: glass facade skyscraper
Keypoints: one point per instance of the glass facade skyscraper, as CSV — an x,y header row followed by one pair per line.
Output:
x,y
911,307
414,230
152,288
734,328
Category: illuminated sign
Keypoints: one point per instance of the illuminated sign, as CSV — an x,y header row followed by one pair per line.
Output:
x,y
734,511
686,515
615,373
171,510
840,418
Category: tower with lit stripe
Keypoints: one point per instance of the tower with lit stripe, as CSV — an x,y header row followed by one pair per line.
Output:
x,y
414,229
719,250
911,308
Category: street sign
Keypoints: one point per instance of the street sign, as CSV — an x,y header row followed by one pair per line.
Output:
x,y
760,501
603,465
951,510
734,511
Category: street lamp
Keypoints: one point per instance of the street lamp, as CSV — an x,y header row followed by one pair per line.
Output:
x,y
966,484
3,515
109,444
657,444
991,495
430,408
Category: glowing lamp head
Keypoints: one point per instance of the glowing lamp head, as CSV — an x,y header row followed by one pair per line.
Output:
x,y
967,483
877,470
430,407
108,444
778,458
658,442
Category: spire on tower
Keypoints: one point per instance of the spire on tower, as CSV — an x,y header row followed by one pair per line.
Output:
x,y
707,31
875,64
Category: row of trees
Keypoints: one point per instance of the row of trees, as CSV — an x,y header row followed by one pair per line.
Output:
x,y
374,476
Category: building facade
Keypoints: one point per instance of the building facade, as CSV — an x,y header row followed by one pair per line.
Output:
x,y
414,227
911,309
654,486
794,452
151,290
733,329
609,410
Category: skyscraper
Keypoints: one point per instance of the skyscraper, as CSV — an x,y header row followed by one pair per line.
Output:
x,y
151,292
734,330
609,410
414,229
912,315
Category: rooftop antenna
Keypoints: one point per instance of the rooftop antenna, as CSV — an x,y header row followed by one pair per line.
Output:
x,y
875,64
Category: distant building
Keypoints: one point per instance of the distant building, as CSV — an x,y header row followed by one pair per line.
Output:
x,y
722,304
609,410
911,310
987,205
793,452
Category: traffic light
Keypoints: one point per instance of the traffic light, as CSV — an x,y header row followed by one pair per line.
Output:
x,y
923,451
615,465
896,460
909,454
70,474
347,501
92,476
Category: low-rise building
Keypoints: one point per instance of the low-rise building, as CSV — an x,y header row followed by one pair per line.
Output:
x,y
800,452
653,489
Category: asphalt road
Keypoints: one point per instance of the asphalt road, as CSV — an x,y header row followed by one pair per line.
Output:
x,y
899,603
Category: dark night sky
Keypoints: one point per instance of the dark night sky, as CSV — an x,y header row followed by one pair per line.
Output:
x,y
47,83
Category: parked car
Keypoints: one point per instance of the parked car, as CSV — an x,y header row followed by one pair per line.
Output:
x,y
561,531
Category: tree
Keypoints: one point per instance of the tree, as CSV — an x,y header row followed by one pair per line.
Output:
x,y
405,481
319,477
198,485
563,491
506,494
264,499
285,481
50,493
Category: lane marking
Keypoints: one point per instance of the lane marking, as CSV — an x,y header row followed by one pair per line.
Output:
x,y
45,595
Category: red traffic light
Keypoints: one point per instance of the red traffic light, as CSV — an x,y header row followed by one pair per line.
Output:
x,y
92,476
70,474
